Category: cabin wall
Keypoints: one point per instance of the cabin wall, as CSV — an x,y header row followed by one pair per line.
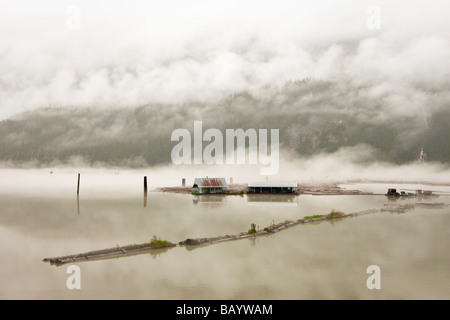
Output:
x,y
211,190
271,190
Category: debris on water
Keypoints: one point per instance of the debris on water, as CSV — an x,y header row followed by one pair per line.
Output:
x,y
393,193
399,208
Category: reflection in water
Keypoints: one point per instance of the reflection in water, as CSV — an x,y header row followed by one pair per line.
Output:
x,y
145,199
432,205
209,201
419,198
272,199
397,208
253,241
321,261
78,203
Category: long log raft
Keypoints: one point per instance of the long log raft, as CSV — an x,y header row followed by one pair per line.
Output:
x,y
117,252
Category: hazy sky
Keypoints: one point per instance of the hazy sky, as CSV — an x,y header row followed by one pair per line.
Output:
x,y
128,53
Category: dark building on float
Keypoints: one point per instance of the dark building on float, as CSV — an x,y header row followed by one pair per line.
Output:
x,y
273,187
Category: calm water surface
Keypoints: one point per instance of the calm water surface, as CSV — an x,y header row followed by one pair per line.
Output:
x,y
40,217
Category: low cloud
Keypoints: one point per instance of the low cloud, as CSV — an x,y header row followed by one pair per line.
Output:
x,y
198,52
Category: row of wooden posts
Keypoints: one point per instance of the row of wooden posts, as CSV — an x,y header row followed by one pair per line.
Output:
x,y
183,183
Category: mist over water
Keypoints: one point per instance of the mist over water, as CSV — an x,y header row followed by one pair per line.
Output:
x,y
315,261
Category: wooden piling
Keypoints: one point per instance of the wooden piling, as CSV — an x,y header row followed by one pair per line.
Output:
x,y
78,185
183,182
145,191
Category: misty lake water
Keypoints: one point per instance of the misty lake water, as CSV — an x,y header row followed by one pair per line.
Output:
x,y
40,218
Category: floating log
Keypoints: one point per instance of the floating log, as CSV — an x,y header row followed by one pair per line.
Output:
x,y
109,253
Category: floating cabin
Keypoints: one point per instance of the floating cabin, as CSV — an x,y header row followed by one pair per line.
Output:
x,y
273,187
210,185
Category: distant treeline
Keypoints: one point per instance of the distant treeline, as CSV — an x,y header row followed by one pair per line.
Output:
x,y
312,117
